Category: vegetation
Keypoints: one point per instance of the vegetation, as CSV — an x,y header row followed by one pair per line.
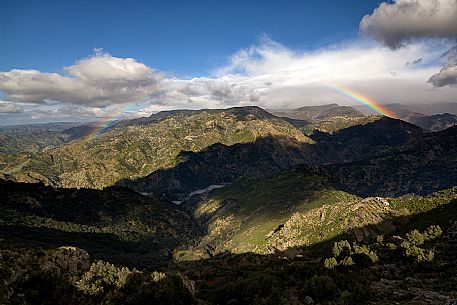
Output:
x,y
299,220
135,149
35,138
115,223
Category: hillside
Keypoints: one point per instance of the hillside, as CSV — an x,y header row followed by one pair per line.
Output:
x,y
364,140
171,154
266,214
221,164
410,238
327,118
34,137
135,149
293,209
114,224
315,113
436,120
420,166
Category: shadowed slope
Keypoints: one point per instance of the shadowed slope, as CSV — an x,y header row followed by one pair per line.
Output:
x,y
114,223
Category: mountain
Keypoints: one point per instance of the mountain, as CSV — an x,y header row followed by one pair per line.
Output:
x,y
34,137
361,141
134,149
435,122
233,206
220,164
420,166
313,113
328,118
426,109
425,117
435,108
174,153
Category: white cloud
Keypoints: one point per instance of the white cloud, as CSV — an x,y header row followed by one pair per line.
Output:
x,y
398,23
99,80
272,76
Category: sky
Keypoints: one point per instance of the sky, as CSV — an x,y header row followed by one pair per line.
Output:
x,y
99,60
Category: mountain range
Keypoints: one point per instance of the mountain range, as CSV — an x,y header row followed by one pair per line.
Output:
x,y
314,205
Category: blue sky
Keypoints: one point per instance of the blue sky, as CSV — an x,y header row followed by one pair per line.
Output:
x,y
99,60
185,38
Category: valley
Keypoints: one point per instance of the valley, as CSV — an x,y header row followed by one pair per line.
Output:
x,y
185,191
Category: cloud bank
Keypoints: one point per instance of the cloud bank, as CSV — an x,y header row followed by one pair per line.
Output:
x,y
267,74
273,76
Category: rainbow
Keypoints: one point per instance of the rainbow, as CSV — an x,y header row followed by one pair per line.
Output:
x,y
364,100
105,123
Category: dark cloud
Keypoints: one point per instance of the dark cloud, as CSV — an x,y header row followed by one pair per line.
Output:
x,y
417,61
398,23
447,75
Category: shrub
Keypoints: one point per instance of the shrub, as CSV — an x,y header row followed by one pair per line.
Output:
x,y
102,277
322,286
433,232
414,239
344,255
330,263
364,252
340,248
347,261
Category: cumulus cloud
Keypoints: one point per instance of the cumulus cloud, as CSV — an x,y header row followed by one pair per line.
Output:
x,y
99,80
273,76
6,107
398,23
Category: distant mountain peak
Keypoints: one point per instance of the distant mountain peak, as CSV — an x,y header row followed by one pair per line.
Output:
x,y
313,113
